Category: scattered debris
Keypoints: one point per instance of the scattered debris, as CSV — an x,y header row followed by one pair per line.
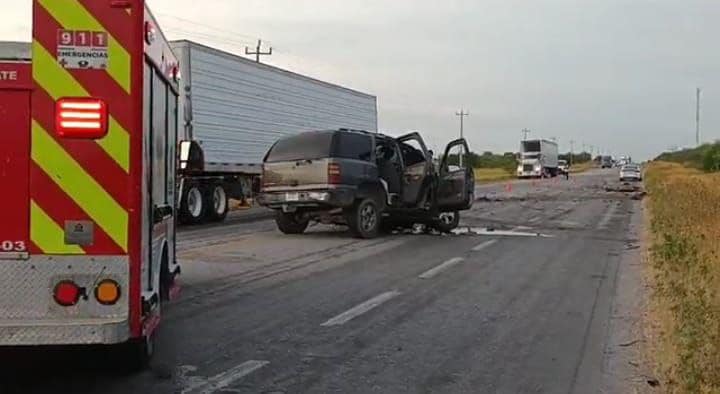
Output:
x,y
492,231
653,382
636,341
639,195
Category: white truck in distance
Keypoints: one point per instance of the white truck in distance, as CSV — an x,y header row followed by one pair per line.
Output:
x,y
233,110
538,159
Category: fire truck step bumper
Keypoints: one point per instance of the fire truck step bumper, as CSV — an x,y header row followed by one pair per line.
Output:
x,y
84,332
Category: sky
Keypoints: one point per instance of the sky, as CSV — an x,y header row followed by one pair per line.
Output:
x,y
616,74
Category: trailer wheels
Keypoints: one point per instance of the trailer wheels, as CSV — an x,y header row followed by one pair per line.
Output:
x,y
192,205
217,202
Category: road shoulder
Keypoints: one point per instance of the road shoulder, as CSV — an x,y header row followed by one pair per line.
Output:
x,y
623,368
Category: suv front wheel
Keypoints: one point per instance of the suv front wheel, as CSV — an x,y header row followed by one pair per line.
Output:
x,y
291,223
364,219
447,221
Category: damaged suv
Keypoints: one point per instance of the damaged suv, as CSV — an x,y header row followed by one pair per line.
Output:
x,y
367,181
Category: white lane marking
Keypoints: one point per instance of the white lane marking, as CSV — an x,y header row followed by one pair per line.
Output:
x,y
535,219
440,268
602,225
224,379
360,309
484,245
519,228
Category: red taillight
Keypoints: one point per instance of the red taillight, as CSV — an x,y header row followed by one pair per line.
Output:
x,y
66,293
334,173
81,118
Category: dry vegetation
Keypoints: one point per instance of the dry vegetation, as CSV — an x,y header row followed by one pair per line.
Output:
x,y
487,175
685,255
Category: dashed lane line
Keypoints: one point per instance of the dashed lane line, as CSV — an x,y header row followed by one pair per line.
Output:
x,y
361,309
440,268
483,245
224,379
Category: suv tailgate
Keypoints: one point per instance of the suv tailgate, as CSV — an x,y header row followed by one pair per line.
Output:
x,y
296,175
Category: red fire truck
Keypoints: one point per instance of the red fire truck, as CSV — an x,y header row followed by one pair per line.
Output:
x,y
87,148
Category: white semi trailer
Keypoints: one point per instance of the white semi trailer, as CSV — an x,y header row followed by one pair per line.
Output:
x,y
538,159
234,109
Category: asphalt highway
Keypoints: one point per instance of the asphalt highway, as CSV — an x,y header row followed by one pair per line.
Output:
x,y
519,300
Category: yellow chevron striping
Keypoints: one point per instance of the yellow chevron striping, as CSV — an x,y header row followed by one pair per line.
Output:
x,y
79,185
73,16
58,82
48,235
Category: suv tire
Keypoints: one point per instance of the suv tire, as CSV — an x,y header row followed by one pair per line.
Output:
x,y
364,219
447,221
289,223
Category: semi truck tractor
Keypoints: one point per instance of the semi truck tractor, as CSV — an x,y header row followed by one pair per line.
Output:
x,y
233,110
538,159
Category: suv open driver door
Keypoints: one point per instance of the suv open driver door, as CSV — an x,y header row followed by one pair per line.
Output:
x,y
456,189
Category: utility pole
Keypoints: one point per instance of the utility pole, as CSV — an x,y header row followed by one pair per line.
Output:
x,y
525,134
258,52
697,116
462,114
572,150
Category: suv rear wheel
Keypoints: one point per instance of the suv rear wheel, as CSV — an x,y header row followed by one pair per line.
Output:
x,y
291,223
364,219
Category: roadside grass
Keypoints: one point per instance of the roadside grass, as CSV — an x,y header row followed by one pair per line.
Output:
x,y
581,167
684,208
488,175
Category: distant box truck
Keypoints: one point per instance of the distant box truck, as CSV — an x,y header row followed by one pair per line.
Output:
x,y
538,159
234,109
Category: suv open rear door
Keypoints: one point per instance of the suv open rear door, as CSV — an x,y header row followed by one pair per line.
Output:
x,y
456,189
417,165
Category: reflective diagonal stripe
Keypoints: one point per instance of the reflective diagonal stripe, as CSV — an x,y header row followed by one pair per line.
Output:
x,y
73,16
48,235
58,82
79,185
117,144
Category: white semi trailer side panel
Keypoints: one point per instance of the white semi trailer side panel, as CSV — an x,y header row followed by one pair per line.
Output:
x,y
238,108
234,110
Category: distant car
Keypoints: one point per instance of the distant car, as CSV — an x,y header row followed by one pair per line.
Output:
x,y
630,172
563,167
606,162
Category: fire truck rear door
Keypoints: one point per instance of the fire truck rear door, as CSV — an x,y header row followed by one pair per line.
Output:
x,y
14,160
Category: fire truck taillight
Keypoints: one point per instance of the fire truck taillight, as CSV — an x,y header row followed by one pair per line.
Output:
x,y
67,293
107,292
81,118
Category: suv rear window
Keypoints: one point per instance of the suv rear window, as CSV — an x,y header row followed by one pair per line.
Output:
x,y
353,146
305,146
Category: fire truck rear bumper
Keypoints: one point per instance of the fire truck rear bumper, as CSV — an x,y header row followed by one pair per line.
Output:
x,y
85,332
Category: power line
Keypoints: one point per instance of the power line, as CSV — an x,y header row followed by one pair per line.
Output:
x,y
258,52
697,116
462,114
208,36
210,27
525,133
